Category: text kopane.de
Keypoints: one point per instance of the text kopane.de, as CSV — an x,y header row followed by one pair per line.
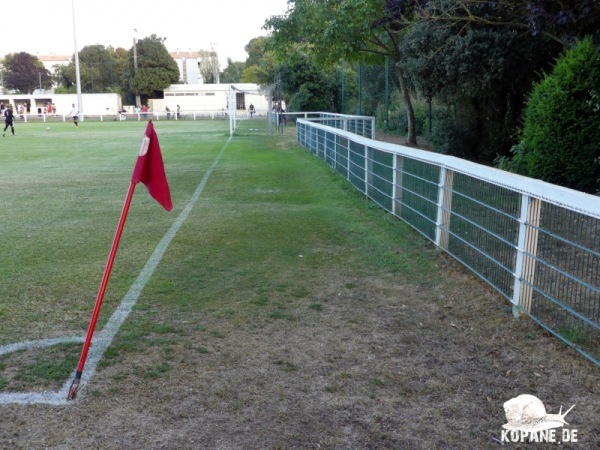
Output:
x,y
545,436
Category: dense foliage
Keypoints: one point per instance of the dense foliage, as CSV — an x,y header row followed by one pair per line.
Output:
x,y
24,73
310,87
352,30
561,132
233,72
101,70
156,69
480,75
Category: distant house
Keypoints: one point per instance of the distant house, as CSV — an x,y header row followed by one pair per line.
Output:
x,y
192,65
50,61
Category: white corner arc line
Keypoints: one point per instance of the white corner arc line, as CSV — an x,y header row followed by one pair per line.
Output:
x,y
104,338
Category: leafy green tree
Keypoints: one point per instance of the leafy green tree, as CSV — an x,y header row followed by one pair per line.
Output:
x,y
262,64
156,69
64,78
562,21
256,49
306,86
25,73
209,66
561,131
353,30
100,68
479,75
233,72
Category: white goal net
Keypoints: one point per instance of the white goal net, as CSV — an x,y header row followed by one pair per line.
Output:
x,y
249,104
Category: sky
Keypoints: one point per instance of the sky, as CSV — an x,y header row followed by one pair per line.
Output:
x,y
45,27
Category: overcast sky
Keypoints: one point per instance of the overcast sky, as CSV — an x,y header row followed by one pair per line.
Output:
x,y
45,27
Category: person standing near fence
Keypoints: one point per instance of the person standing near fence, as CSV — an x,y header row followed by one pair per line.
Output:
x,y
8,121
75,115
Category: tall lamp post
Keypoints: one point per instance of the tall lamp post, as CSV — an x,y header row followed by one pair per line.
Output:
x,y
77,73
135,66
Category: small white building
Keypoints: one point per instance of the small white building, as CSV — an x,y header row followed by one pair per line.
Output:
x,y
212,98
37,103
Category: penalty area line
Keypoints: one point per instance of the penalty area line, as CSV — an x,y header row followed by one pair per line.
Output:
x,y
104,338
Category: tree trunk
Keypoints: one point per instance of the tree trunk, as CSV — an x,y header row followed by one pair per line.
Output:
x,y
410,113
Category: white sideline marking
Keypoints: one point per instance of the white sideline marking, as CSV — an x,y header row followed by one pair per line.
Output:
x,y
103,338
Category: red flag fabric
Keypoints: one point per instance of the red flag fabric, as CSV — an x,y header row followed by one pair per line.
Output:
x,y
150,170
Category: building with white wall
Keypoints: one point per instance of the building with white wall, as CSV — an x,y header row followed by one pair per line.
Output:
x,y
212,98
93,104
191,65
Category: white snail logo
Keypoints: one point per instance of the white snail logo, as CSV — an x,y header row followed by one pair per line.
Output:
x,y
528,421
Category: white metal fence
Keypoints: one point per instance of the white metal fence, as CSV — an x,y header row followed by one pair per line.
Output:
x,y
536,243
141,116
361,125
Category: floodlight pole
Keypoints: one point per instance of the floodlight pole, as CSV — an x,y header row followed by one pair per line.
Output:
x,y
77,73
135,66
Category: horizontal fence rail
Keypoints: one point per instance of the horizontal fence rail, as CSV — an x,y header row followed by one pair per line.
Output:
x,y
536,243
139,116
361,125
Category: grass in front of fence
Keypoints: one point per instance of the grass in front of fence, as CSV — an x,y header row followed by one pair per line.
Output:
x,y
268,220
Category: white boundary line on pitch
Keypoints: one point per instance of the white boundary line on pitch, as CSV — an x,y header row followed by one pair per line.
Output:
x,y
104,338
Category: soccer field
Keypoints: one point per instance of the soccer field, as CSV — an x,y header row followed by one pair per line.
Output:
x,y
283,310
61,195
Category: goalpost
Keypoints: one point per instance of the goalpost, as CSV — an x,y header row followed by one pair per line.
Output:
x,y
239,101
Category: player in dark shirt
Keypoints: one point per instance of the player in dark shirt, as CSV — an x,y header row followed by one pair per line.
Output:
x,y
8,121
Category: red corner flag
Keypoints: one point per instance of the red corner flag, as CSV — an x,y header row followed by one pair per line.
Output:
x,y
150,170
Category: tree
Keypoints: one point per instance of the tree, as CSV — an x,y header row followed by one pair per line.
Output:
x,y
262,64
480,59
561,131
98,66
25,73
209,66
354,30
233,72
562,21
480,74
156,69
64,78
101,70
306,86
256,49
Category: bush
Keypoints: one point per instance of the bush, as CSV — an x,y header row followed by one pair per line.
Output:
x,y
420,108
455,134
560,140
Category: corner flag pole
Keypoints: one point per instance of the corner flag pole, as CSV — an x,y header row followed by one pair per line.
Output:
x,y
150,170
101,291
